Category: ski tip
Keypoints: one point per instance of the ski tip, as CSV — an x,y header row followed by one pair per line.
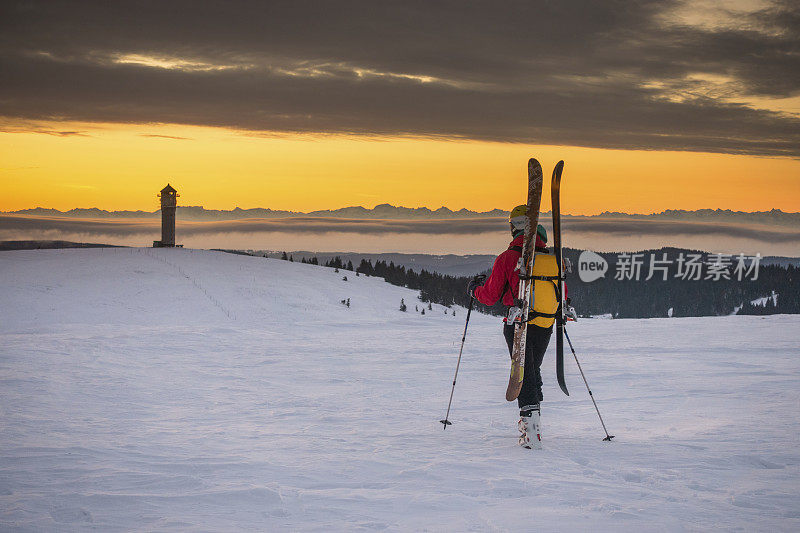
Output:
x,y
609,438
557,172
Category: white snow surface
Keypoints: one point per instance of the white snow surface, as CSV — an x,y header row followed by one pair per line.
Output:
x,y
764,299
186,390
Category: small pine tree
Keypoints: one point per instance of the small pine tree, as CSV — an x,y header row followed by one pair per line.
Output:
x,y
454,312
423,311
336,270
344,278
429,307
284,256
291,259
403,305
348,303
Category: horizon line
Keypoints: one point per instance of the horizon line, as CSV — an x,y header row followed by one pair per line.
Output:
x,y
388,205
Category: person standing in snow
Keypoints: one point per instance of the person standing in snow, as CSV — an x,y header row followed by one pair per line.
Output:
x,y
503,284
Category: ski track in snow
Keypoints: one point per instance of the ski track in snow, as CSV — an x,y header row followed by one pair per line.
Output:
x,y
186,390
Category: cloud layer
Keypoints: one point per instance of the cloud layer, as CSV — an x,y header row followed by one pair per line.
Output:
x,y
320,225
636,75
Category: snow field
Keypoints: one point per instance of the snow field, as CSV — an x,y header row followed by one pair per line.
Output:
x,y
172,389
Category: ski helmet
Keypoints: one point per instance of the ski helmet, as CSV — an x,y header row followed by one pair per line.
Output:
x,y
518,218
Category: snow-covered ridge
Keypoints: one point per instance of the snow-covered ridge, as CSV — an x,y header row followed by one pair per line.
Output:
x,y
183,287
184,390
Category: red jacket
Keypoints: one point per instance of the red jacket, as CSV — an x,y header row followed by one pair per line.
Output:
x,y
504,279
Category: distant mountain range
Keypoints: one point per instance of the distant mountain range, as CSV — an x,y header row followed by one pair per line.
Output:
x,y
382,211
775,217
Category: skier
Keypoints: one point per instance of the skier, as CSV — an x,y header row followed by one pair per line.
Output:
x,y
503,283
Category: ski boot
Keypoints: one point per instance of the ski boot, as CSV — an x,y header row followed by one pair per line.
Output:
x,y
529,427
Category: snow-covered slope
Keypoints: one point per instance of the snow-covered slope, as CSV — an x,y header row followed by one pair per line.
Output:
x,y
187,390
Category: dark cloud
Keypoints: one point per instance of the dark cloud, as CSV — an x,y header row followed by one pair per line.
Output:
x,y
40,227
54,133
603,74
173,137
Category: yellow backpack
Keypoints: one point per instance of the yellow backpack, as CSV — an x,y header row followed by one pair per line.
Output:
x,y
544,290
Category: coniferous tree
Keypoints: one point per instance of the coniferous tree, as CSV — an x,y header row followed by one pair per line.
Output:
x,y
623,298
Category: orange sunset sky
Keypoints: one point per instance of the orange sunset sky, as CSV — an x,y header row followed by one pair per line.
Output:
x,y
121,167
671,105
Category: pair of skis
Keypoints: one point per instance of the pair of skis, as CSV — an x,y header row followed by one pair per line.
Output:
x,y
525,269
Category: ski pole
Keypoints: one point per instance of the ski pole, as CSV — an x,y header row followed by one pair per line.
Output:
x,y
447,422
608,437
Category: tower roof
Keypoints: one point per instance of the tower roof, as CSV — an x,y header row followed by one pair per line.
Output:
x,y
168,188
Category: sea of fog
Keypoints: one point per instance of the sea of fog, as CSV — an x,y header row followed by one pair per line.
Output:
x,y
449,236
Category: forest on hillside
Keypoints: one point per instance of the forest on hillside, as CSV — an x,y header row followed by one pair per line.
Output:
x,y
682,283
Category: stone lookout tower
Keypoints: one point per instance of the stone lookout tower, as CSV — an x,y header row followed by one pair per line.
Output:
x,y
169,203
